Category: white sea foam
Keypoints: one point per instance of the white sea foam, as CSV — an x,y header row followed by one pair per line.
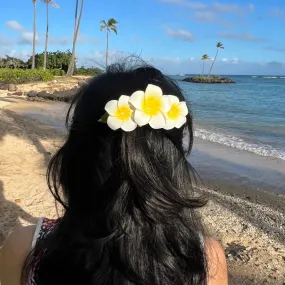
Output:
x,y
270,77
235,142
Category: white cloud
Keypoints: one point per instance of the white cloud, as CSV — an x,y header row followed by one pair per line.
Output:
x,y
68,40
205,16
272,48
26,38
181,35
242,37
215,7
233,8
14,25
224,60
277,13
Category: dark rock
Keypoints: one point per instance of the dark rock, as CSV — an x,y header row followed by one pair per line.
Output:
x,y
12,87
236,251
18,93
66,95
32,93
4,86
46,95
208,80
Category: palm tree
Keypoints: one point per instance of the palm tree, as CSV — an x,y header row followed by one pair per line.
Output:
x,y
204,57
47,2
109,26
218,45
70,70
34,34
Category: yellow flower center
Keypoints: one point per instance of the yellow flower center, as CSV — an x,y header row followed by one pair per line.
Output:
x,y
124,113
151,105
174,112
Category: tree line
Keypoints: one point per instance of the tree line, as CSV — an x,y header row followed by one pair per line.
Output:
x,y
109,26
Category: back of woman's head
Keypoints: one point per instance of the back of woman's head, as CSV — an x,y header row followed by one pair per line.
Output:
x,y
128,198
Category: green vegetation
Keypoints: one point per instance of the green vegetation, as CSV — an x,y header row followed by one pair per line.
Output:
x,y
204,57
55,60
12,62
18,76
110,26
90,71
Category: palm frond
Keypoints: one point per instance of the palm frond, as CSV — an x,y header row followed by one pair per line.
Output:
x,y
102,28
219,45
103,22
114,29
51,3
205,57
112,22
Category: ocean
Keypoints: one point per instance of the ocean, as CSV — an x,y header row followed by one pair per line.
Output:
x,y
248,115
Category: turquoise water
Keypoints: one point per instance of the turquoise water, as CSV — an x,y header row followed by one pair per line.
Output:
x,y
248,115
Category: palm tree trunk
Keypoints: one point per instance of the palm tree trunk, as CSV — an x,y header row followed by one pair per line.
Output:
x,y
213,63
46,44
203,68
107,49
34,36
70,70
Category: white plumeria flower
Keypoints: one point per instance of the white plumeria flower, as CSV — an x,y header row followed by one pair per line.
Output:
x,y
120,114
176,116
150,107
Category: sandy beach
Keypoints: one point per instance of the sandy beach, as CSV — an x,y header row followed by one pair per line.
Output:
x,y
246,208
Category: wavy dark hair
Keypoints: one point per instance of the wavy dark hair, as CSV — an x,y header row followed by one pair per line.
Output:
x,y
129,205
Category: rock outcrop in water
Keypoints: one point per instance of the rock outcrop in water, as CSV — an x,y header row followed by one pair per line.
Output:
x,y
208,80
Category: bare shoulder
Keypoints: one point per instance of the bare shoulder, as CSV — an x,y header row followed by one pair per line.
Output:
x,y
14,253
217,264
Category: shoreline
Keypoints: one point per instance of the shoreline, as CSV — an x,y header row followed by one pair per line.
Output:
x,y
251,230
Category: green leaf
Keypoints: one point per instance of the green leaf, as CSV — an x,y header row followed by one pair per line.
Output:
x,y
104,118
114,29
112,22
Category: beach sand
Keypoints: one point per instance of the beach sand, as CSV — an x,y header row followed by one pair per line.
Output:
x,y
249,223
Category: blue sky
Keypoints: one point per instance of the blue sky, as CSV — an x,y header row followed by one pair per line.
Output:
x,y
171,34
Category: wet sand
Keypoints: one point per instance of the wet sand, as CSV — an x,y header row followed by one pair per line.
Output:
x,y
240,173
247,217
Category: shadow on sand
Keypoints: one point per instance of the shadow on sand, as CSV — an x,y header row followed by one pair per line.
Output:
x,y
31,131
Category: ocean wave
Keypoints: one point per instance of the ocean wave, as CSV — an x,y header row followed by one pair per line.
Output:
x,y
270,77
238,143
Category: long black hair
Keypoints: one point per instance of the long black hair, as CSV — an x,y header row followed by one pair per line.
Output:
x,y
129,205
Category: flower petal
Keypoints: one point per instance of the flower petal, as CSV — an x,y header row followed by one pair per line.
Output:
x,y
180,122
114,123
111,107
170,124
141,118
158,121
166,104
183,108
173,99
153,90
137,99
129,125
123,100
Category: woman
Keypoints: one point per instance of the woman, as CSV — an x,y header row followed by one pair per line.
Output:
x,y
125,184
